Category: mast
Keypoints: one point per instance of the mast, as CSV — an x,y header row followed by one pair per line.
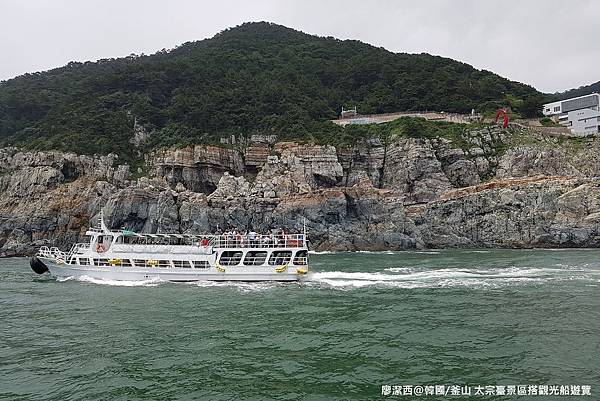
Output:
x,y
102,225
304,229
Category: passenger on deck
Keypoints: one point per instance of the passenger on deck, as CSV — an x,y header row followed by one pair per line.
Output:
x,y
252,237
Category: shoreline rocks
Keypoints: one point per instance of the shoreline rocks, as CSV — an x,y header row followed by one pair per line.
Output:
x,y
411,193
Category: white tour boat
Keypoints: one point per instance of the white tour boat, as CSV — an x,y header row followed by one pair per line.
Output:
x,y
125,255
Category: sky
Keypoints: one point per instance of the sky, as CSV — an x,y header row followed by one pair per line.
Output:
x,y
552,45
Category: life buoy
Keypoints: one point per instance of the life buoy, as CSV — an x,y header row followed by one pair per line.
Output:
x,y
100,248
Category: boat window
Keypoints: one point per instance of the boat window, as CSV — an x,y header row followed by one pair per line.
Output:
x,y
100,262
181,264
255,258
158,241
301,258
280,258
200,264
105,240
230,258
164,263
126,263
151,263
84,261
139,262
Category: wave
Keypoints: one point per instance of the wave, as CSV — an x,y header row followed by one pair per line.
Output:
x,y
240,285
407,277
377,252
400,252
119,283
431,252
395,277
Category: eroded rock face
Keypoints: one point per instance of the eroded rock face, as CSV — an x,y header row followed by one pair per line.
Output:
x,y
363,162
541,213
51,195
197,168
412,168
407,193
528,161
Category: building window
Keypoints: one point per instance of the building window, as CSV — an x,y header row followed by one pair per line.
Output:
x,y
557,108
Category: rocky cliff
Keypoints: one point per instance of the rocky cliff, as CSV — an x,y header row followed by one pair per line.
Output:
x,y
487,188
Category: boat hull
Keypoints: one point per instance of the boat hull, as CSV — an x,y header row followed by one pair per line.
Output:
x,y
235,273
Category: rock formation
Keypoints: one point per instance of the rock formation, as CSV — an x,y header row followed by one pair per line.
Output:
x,y
489,188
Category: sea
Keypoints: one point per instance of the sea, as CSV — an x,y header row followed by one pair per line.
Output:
x,y
432,325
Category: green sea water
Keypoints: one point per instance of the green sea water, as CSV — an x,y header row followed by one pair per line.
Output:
x,y
359,322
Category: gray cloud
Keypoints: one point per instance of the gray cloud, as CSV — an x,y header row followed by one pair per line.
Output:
x,y
549,44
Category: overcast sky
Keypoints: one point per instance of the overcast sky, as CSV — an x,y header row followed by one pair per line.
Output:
x,y
550,44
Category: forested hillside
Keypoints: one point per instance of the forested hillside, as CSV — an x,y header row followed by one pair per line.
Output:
x,y
581,91
255,78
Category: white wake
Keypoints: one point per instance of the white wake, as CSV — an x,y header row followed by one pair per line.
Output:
x,y
119,283
409,277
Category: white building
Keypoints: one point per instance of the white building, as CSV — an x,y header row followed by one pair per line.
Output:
x,y
581,114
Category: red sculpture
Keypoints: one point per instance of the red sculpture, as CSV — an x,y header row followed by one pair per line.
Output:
x,y
504,114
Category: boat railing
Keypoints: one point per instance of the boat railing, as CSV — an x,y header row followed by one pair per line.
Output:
x,y
264,241
162,248
53,253
76,249
80,248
